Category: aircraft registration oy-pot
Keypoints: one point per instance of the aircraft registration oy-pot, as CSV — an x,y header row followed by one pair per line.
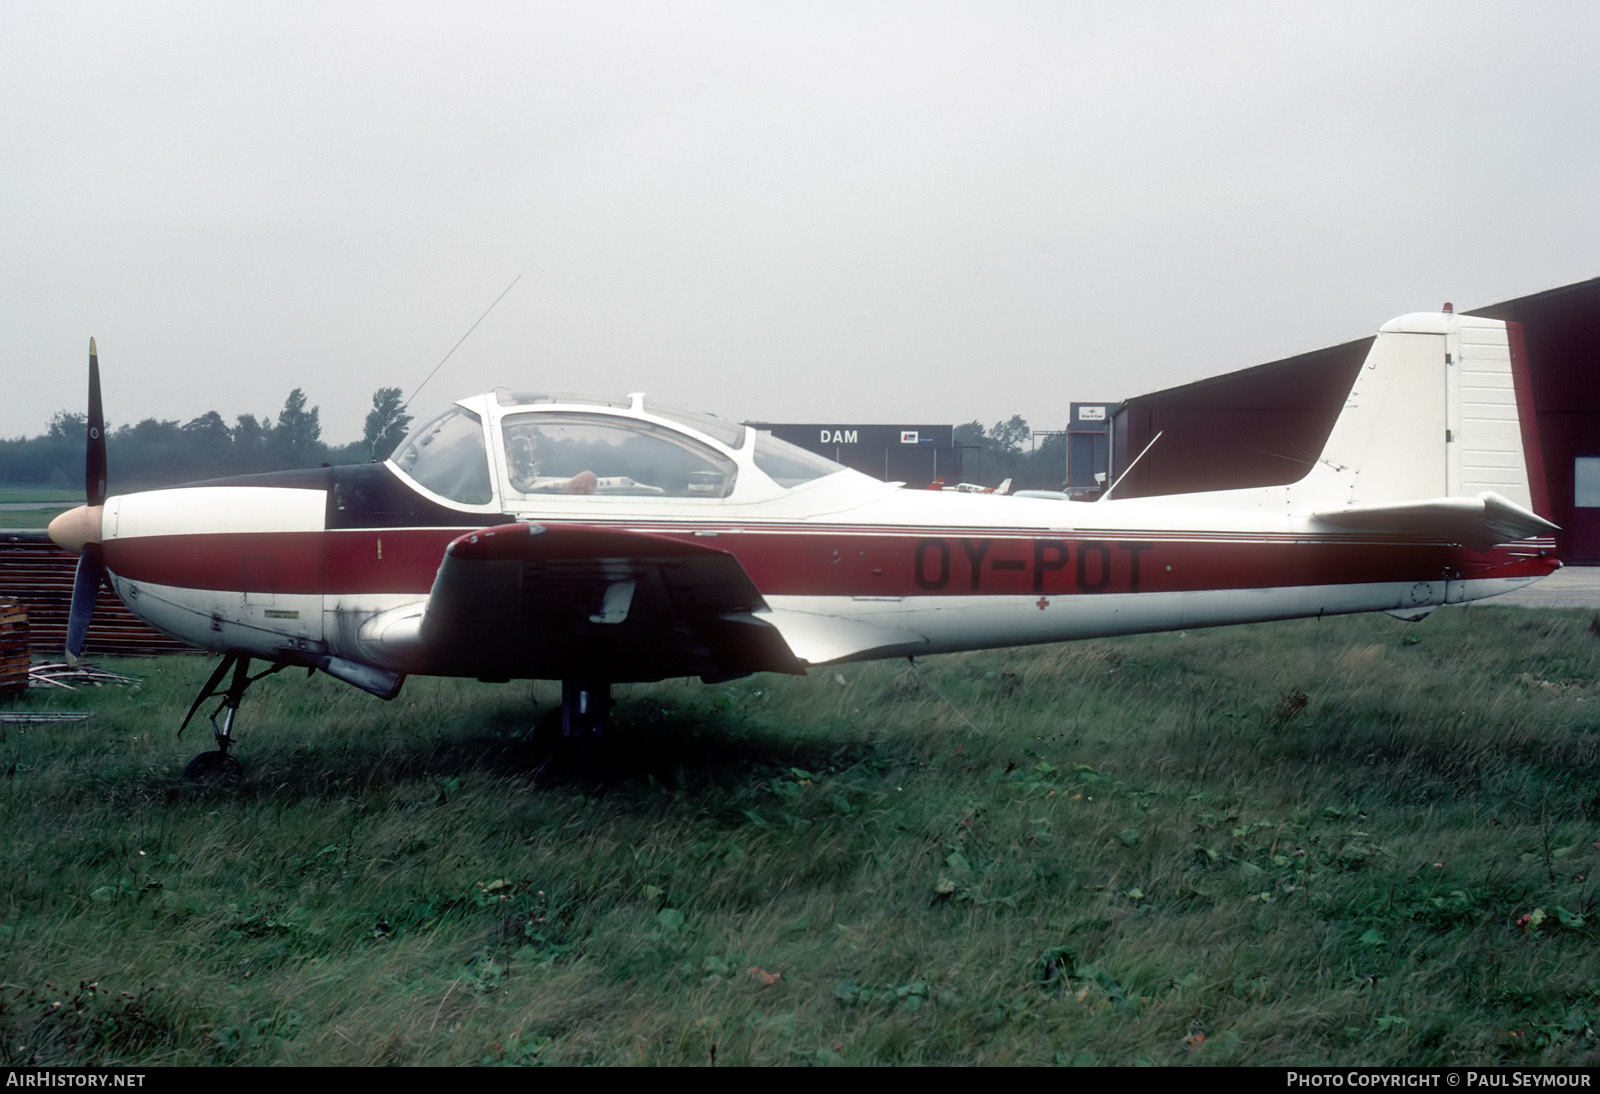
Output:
x,y
607,540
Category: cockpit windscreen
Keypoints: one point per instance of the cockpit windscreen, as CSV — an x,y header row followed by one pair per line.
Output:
x,y
446,454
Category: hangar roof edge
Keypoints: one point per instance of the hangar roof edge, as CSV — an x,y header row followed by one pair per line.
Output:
x,y
1487,311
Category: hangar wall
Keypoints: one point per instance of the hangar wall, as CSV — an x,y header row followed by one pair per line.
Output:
x,y
1561,332
913,454
1262,426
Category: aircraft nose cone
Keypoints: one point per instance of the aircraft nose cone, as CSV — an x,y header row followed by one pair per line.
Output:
x,y
72,529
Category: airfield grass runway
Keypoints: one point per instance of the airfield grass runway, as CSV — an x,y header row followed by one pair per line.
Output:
x,y
1346,841
1568,587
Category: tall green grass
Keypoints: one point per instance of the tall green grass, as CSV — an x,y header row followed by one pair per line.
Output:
x,y
1346,841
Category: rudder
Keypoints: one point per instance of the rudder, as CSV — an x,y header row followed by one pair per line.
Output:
x,y
1434,413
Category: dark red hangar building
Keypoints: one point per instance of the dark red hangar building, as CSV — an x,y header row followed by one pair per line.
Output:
x,y
1264,426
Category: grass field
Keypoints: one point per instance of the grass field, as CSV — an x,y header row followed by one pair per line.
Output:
x,y
1348,841
9,492
35,518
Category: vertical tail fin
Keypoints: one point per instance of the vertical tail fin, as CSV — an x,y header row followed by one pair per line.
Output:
x,y
1437,437
1435,413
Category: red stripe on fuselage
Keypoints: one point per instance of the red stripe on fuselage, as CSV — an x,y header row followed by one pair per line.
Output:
x,y
800,561
388,560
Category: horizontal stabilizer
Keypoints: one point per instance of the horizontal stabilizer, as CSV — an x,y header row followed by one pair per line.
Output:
x,y
1479,523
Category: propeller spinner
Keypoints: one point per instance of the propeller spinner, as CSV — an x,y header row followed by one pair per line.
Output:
x,y
78,530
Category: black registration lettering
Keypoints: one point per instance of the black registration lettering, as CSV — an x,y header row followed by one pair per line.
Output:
x,y
1102,578
939,576
1133,550
976,549
1048,555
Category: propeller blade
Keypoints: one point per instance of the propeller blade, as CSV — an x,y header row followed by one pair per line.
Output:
x,y
85,587
94,484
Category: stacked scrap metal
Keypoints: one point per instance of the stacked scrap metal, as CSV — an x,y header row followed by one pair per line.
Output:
x,y
13,647
74,674
39,573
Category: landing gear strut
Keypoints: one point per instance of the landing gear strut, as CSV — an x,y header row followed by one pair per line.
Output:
x,y
583,715
218,767
585,708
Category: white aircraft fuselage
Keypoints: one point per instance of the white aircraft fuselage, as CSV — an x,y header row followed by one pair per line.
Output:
x,y
608,540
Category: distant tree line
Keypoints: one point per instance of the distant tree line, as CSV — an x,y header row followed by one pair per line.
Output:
x,y
160,453
1009,451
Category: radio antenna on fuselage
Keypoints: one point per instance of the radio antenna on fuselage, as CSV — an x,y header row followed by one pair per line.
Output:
x,y
1130,467
463,338
401,409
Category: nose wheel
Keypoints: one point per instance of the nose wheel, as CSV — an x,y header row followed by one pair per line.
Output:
x,y
214,769
218,767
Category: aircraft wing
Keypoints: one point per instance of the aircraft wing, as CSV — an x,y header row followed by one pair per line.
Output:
x,y
1479,523
584,602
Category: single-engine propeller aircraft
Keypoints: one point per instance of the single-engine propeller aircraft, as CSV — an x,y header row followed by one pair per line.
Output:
x,y
606,540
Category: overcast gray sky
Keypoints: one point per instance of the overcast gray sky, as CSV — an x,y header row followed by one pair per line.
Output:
x,y
860,211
